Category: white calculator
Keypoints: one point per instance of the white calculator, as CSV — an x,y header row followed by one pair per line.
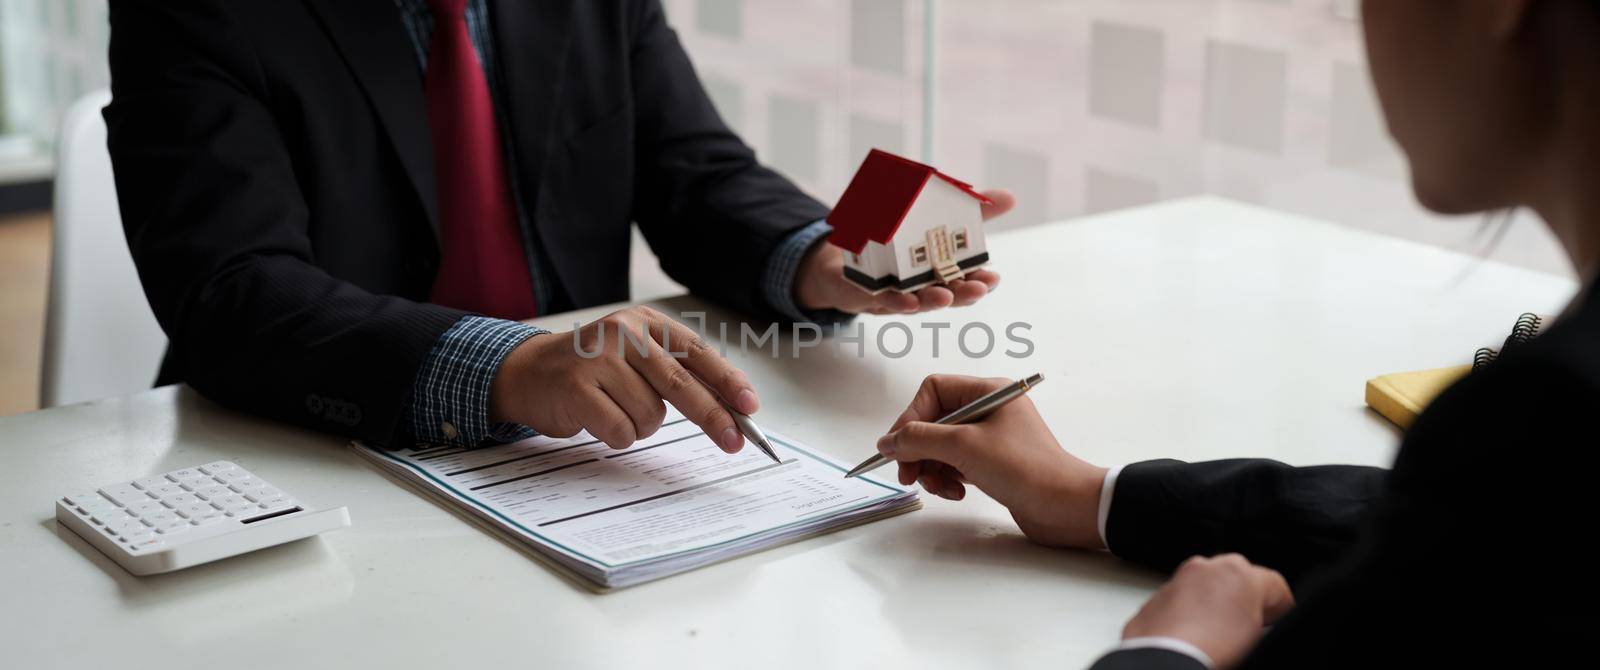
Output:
x,y
191,516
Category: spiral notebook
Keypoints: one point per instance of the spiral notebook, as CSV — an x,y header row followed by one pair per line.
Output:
x,y
1401,396
670,503
1528,326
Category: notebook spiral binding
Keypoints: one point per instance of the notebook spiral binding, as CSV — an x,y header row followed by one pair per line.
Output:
x,y
1526,328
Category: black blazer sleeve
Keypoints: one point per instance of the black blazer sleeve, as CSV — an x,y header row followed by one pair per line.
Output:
x,y
1147,659
1293,520
218,229
1483,553
711,212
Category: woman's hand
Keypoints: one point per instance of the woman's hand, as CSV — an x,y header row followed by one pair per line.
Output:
x,y
1216,604
1010,455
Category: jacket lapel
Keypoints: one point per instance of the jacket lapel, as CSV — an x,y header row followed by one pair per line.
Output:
x,y
373,41
531,41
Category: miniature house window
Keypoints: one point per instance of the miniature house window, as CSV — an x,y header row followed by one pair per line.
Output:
x,y
919,254
961,240
855,258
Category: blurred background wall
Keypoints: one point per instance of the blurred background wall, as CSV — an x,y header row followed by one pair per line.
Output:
x,y
51,52
1080,106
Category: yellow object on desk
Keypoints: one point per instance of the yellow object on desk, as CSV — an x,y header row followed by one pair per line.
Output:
x,y
1400,397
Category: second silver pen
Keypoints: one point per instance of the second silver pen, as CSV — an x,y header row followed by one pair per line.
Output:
x,y
968,413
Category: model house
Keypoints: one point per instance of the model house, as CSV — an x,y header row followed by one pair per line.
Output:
x,y
904,226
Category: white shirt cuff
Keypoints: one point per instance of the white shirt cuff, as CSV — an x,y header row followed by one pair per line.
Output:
x,y
1106,489
1169,644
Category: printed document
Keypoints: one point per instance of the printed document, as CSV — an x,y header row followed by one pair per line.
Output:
x,y
671,502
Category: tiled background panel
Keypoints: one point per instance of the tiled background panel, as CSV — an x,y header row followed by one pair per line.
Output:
x,y
1126,68
877,35
793,127
724,18
1358,139
1263,100
1246,96
1105,190
1086,105
1026,174
728,97
867,133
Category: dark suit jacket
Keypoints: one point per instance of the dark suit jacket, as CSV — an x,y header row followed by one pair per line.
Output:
x,y
1476,551
276,180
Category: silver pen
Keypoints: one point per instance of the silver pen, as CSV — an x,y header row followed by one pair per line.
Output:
x,y
968,413
753,433
747,425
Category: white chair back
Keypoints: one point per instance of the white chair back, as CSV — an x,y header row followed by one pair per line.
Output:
x,y
100,338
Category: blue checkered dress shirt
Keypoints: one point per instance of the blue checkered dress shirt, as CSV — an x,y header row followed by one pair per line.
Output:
x,y
450,397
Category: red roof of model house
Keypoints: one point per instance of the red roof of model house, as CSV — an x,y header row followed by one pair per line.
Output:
x,y
879,197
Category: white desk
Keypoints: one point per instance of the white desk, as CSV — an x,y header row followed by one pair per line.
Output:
x,y
1196,329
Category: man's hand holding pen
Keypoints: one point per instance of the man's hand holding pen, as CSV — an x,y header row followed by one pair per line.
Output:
x,y
615,391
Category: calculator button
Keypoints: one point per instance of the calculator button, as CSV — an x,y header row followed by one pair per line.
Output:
x,y
144,507
164,489
217,466
142,543
147,482
246,486
174,525
232,476
240,507
275,502
214,493
124,494
158,518
126,527
85,499
196,483
262,493
193,509
211,516
178,500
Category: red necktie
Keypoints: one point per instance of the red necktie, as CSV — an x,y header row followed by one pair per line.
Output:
x,y
483,267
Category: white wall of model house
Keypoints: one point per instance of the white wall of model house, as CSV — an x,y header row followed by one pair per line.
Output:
x,y
875,260
939,204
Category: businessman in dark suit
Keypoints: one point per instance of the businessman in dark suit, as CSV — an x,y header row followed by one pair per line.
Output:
x,y
339,210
